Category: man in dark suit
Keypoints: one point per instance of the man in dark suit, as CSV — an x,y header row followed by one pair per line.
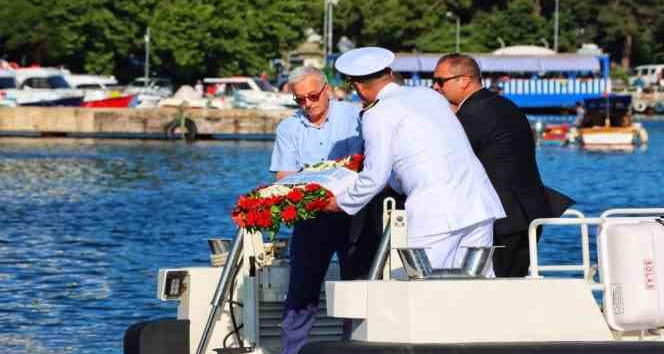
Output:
x,y
502,140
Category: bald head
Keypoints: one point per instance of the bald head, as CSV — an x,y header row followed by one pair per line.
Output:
x,y
461,64
456,77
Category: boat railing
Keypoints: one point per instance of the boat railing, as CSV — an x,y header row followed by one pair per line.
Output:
x,y
550,86
575,217
555,86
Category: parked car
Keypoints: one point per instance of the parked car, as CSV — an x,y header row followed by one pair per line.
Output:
x,y
647,75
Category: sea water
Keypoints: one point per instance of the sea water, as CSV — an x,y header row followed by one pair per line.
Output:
x,y
85,224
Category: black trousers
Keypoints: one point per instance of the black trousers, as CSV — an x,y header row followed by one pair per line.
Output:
x,y
354,239
514,259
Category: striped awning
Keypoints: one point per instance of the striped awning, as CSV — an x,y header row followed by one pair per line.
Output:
x,y
504,63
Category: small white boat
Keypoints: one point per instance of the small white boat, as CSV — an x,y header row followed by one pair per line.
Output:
x,y
413,309
608,125
246,92
616,138
153,87
37,86
96,88
187,96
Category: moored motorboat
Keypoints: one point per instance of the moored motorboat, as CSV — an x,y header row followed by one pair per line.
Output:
x,y
46,101
608,125
37,86
110,102
403,307
613,137
555,134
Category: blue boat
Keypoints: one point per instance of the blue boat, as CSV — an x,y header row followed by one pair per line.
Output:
x,y
533,82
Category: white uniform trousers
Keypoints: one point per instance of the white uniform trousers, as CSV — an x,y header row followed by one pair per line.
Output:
x,y
446,250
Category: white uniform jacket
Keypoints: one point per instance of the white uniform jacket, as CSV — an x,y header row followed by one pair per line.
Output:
x,y
413,140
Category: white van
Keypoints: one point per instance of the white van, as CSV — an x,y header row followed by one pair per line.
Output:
x,y
647,75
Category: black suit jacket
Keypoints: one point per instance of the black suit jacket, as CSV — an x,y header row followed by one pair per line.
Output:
x,y
502,140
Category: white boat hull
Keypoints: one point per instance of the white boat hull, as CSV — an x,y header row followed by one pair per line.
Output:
x,y
617,138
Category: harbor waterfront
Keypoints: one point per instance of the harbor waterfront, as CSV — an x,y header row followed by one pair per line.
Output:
x,y
86,223
79,122
96,122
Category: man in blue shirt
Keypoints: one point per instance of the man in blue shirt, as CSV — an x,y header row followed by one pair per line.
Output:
x,y
322,129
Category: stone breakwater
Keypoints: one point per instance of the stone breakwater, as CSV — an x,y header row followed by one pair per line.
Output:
x,y
76,121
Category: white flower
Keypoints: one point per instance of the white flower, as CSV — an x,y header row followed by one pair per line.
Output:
x,y
326,165
274,190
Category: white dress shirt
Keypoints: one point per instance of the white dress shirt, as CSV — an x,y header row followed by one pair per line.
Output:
x,y
413,140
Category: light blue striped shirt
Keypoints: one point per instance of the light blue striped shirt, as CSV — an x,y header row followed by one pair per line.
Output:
x,y
299,142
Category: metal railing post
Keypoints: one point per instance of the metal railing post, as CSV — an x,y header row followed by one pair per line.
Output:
x,y
219,294
382,253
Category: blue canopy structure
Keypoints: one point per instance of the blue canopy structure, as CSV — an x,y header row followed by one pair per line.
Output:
x,y
526,82
505,63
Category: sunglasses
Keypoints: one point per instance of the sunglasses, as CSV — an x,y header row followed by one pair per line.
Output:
x,y
313,97
442,80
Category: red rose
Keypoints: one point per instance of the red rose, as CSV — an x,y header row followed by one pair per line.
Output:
x,y
238,218
316,205
248,203
312,205
295,195
264,219
355,162
312,187
268,202
252,217
289,213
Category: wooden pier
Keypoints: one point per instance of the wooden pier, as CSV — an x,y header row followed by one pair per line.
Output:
x,y
139,123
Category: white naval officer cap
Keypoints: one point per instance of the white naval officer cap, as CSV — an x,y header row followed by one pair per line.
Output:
x,y
364,61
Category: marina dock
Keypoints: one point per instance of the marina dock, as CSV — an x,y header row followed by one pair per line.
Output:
x,y
136,123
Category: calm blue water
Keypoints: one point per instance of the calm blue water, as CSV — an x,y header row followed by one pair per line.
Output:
x,y
85,224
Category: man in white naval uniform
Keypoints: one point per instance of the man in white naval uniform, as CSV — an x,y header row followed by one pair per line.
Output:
x,y
414,142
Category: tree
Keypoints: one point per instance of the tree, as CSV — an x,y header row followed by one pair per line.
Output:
x,y
27,30
399,25
518,24
195,38
93,37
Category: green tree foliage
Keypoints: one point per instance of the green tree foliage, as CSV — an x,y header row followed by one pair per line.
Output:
x,y
518,24
26,29
195,38
399,24
92,35
189,38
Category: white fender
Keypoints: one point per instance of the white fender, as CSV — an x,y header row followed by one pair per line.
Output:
x,y
640,106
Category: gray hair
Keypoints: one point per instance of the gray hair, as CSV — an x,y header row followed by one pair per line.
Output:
x,y
300,73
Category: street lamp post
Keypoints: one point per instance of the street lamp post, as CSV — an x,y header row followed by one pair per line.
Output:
x,y
555,27
147,57
328,28
458,30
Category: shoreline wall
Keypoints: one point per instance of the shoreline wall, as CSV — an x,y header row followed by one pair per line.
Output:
x,y
132,121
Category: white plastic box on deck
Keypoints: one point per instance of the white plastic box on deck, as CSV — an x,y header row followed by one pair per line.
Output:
x,y
631,263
